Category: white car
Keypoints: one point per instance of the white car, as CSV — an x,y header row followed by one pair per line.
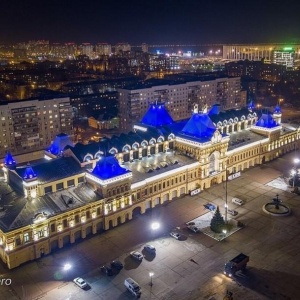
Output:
x,y
175,235
80,282
237,201
137,255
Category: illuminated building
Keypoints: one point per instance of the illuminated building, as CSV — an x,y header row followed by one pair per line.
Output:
x,y
179,94
284,57
255,51
30,125
103,49
82,190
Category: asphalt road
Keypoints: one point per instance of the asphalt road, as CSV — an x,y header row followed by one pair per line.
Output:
x,y
187,269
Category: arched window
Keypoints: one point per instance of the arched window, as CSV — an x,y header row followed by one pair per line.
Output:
x,y
212,163
160,139
126,148
88,157
135,146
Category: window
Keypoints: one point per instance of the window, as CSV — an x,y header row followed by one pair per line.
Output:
x,y
65,223
48,189
76,219
59,186
71,182
26,237
41,233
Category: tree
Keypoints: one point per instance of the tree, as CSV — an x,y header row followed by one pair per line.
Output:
x,y
217,223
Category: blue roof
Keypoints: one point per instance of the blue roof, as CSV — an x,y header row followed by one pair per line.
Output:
x,y
108,167
29,173
157,115
60,142
266,121
9,160
199,126
215,109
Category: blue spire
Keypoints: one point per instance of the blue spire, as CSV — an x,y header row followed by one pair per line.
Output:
x,y
108,167
29,173
251,105
9,160
200,126
157,115
266,121
277,109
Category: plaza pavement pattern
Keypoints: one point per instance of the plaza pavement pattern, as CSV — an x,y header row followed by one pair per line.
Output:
x,y
189,269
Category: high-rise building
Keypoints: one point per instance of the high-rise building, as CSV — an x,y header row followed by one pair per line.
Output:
x,y
103,49
122,47
179,97
30,125
145,47
87,49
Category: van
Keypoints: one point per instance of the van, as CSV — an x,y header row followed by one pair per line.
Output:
x,y
133,287
237,201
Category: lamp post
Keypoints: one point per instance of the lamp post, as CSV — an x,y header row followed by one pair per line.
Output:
x,y
226,195
154,227
151,275
294,171
66,268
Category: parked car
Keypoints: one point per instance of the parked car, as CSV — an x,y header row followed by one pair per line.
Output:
x,y
150,249
116,264
80,282
232,212
137,255
107,270
175,235
193,228
210,206
190,223
237,201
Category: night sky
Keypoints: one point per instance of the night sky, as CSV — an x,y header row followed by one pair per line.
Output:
x,y
150,21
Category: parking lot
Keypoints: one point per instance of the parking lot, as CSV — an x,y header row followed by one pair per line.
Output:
x,y
189,268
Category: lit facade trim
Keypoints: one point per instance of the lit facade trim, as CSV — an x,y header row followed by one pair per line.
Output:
x,y
108,181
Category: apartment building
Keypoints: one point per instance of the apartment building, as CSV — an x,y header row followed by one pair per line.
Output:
x,y
179,96
30,125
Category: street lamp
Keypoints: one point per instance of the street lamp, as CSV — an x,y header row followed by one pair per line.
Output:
x,y
151,275
155,226
67,267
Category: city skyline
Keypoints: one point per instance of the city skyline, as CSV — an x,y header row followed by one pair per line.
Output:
x,y
153,22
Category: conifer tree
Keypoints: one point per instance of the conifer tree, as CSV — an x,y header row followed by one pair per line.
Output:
x,y
217,223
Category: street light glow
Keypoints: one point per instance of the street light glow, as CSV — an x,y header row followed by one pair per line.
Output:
x,y
296,160
155,225
67,267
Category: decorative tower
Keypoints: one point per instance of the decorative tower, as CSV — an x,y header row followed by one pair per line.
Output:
x,y
30,183
9,163
277,114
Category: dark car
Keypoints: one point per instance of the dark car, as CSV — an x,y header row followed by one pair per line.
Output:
x,y
107,270
150,249
210,206
116,264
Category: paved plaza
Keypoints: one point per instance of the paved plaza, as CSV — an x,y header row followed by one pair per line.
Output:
x,y
189,269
